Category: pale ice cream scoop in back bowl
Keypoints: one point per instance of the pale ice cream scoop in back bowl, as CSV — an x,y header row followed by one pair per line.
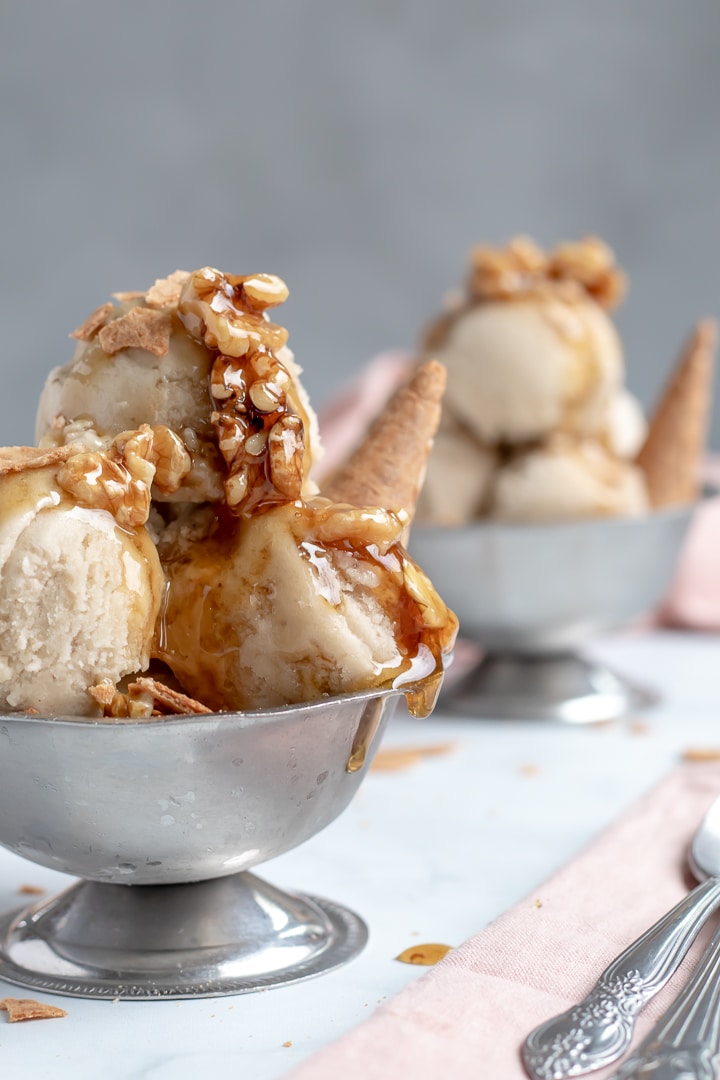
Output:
x,y
164,815
549,512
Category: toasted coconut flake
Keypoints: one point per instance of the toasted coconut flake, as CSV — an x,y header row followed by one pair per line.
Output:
x,y
166,291
29,1009
92,324
139,329
15,459
166,699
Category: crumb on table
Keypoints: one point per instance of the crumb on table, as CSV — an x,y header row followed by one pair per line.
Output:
x,y
29,1009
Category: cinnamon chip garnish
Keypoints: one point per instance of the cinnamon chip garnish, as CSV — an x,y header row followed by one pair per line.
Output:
x,y
166,291
103,693
29,1009
170,701
139,329
15,459
145,697
92,324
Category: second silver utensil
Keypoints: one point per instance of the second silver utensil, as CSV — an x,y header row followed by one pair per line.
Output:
x,y
598,1030
684,1043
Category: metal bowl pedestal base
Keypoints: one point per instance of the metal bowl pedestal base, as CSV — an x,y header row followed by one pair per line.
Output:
x,y
230,935
564,687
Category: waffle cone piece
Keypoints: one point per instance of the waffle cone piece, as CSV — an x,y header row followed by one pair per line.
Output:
x,y
387,469
672,453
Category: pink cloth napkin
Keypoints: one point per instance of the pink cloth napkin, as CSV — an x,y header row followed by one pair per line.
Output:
x,y
693,600
467,1016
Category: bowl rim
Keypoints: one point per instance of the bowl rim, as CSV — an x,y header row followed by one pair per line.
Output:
x,y
250,716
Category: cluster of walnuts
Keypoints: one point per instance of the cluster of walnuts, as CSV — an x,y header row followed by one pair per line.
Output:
x,y
523,269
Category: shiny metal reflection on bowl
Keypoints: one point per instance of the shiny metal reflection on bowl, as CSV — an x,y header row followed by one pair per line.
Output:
x,y
142,810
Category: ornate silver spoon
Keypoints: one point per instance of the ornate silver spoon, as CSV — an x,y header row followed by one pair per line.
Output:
x,y
598,1030
684,1043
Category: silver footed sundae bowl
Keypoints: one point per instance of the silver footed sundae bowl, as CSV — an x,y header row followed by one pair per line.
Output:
x,y
533,597
167,517
163,819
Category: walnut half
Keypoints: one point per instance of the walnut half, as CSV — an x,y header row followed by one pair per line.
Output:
x,y
120,479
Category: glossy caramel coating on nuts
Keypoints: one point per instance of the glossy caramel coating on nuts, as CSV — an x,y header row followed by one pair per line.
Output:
x,y
120,479
258,418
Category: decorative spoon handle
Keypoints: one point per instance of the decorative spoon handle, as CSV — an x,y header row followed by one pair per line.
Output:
x,y
598,1030
685,1041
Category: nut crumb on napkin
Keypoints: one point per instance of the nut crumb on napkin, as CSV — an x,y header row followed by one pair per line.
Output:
x,y
423,954
393,758
701,753
29,1009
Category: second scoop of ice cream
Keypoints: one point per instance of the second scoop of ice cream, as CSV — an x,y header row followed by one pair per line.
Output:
x,y
537,423
298,602
518,370
79,596
567,479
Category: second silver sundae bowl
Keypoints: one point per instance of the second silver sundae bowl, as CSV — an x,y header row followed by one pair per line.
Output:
x,y
532,596
162,819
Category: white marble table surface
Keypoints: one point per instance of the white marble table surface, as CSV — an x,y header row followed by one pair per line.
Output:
x,y
429,853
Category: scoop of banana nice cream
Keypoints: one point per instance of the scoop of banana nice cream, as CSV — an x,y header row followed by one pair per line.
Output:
x,y
537,423
80,579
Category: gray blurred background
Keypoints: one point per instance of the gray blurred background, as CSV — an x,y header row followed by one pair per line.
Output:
x,y
358,150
